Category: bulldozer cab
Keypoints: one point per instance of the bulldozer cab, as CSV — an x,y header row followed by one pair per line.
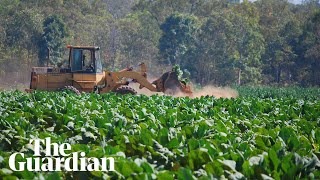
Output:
x,y
85,59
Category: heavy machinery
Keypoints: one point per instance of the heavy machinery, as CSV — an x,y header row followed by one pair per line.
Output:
x,y
84,73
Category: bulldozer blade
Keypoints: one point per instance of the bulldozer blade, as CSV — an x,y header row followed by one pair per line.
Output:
x,y
169,83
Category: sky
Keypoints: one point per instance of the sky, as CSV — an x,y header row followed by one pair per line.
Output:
x,y
296,1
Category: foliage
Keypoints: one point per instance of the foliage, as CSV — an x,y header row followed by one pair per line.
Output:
x,y
212,56
248,42
220,42
182,75
138,38
52,40
252,137
278,92
280,39
177,38
310,45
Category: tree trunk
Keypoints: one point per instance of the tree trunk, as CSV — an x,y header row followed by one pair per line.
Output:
x,y
114,48
316,74
239,77
214,72
278,74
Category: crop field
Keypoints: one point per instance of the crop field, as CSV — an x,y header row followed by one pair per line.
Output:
x,y
264,133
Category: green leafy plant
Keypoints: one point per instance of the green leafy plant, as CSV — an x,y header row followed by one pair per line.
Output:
x,y
254,136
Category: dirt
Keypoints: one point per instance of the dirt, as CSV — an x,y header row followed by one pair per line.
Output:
x,y
218,92
144,91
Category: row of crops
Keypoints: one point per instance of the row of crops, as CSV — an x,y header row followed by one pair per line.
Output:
x,y
279,92
259,135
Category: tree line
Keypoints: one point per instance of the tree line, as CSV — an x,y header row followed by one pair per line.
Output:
x,y
219,42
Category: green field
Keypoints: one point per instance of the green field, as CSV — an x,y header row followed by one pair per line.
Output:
x,y
265,132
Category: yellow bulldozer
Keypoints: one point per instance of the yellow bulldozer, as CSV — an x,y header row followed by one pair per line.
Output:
x,y
84,73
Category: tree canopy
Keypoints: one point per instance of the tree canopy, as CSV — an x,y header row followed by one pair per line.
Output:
x,y
220,42
52,40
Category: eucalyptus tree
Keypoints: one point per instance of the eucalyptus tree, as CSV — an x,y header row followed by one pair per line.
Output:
x,y
178,35
52,41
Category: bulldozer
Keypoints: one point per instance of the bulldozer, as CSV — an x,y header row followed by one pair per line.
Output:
x,y
84,73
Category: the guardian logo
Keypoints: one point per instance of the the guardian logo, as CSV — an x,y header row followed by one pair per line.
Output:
x,y
57,159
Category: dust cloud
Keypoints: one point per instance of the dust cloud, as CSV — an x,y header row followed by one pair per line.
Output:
x,y
218,92
209,90
144,90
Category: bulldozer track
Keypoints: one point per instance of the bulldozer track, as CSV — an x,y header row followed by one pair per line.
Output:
x,y
125,90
